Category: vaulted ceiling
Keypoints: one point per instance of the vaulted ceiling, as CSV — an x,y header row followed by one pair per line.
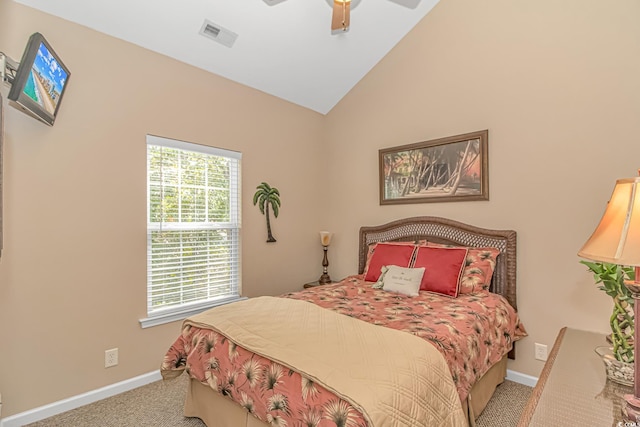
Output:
x,y
283,47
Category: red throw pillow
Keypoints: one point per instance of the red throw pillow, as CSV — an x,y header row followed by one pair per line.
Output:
x,y
443,268
478,271
372,246
385,253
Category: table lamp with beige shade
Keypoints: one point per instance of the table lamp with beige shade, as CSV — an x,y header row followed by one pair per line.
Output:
x,y
616,240
325,240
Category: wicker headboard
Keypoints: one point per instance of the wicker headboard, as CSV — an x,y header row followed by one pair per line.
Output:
x,y
442,230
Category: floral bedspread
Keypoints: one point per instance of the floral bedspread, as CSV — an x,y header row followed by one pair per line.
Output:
x,y
270,391
472,331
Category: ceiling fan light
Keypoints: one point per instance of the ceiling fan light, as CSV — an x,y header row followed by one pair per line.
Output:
x,y
353,3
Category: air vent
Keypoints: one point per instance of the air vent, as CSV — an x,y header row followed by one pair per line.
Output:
x,y
218,33
211,31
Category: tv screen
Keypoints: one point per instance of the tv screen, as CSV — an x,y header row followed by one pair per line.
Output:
x,y
40,80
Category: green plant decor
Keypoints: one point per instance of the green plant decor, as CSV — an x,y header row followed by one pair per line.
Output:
x,y
267,196
612,277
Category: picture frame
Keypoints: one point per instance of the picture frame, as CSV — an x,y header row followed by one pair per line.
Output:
x,y
1,155
451,169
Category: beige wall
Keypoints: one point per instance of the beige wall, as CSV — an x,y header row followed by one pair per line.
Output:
x,y
556,84
72,272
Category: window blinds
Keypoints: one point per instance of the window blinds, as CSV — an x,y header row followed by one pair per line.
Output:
x,y
193,224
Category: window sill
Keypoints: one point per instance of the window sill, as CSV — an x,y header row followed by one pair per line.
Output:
x,y
173,316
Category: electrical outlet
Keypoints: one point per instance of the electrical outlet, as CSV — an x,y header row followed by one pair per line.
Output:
x,y
110,357
541,352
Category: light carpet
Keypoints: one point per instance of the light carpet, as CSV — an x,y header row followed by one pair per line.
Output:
x,y
160,404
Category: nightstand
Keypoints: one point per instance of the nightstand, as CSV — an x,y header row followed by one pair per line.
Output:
x,y
314,284
573,389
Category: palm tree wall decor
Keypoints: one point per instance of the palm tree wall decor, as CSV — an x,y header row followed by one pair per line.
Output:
x,y
267,196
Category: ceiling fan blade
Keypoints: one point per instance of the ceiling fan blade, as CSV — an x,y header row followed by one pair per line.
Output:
x,y
341,14
411,4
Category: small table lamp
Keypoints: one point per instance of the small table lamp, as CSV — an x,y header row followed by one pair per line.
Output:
x,y
325,240
616,240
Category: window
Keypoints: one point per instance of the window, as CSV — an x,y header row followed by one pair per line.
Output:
x,y
193,228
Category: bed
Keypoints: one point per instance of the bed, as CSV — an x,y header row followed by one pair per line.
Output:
x,y
268,361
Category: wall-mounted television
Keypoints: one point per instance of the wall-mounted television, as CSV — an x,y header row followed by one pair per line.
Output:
x,y
40,80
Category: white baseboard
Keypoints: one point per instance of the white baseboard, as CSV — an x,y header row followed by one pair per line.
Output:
x,y
74,402
519,378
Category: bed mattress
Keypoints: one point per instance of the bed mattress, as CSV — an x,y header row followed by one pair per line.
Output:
x,y
471,333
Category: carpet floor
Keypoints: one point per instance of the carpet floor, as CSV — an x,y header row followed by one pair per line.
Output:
x,y
160,403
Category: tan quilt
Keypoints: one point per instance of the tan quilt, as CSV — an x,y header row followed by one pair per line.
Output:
x,y
392,377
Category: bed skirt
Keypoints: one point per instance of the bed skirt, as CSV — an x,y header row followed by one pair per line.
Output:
x,y
216,410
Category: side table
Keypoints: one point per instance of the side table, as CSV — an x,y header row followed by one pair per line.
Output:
x,y
314,284
573,389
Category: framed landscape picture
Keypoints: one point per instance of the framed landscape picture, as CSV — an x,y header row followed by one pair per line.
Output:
x,y
1,149
448,169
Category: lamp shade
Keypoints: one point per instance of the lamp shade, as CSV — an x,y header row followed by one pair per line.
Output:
x,y
616,240
325,238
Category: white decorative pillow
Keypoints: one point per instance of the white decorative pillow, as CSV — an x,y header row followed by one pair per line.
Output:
x,y
400,279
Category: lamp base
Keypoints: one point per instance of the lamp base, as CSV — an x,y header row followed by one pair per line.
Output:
x,y
631,408
631,403
324,279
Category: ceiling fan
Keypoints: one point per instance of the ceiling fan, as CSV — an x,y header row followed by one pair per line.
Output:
x,y
340,19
